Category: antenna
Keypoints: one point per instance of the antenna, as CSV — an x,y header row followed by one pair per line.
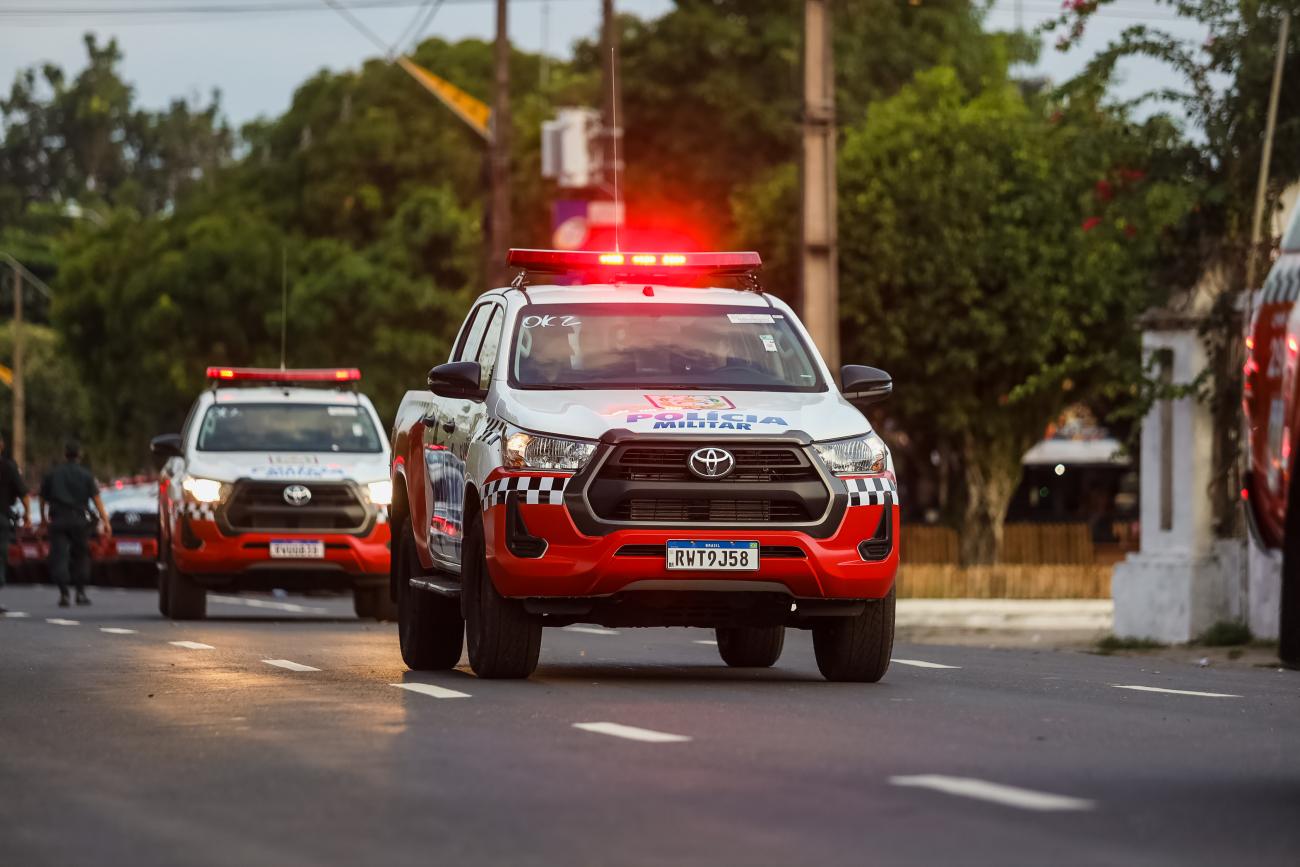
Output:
x,y
619,216
284,302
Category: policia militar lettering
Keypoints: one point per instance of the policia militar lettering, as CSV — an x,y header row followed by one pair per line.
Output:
x,y
65,492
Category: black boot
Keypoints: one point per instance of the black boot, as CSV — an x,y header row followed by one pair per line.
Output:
x,y
82,598
63,598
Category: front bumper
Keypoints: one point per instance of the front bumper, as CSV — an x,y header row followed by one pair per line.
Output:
x,y
573,564
200,548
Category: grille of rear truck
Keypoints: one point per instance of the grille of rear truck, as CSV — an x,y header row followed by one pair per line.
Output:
x,y
261,506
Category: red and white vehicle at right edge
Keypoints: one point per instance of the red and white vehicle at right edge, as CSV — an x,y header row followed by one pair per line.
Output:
x,y
1271,401
641,440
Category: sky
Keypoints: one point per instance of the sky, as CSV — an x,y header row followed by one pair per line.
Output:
x,y
257,60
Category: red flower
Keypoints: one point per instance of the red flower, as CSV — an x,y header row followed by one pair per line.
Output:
x,y
1130,231
1091,223
1104,190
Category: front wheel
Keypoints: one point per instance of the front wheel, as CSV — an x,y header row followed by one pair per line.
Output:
x,y
856,649
429,627
181,598
504,640
373,603
1288,645
751,646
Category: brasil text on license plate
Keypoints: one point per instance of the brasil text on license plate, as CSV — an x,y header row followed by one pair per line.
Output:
x,y
712,555
295,549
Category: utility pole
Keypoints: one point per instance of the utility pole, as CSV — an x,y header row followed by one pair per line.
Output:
x,y
1270,125
820,280
499,229
20,390
613,100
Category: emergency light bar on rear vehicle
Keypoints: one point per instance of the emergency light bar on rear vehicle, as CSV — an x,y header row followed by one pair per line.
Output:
x,y
639,265
288,377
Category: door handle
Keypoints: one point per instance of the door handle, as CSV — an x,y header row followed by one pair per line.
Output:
x,y
449,426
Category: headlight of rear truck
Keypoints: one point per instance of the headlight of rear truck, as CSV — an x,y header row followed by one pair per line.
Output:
x,y
380,492
857,456
525,451
204,490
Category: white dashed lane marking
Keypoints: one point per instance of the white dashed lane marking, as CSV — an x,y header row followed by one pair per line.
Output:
x,y
921,663
430,689
1174,691
631,733
997,793
591,630
16,614
192,645
708,641
289,664
251,602
59,621
116,630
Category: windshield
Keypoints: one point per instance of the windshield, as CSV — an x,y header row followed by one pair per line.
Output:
x,y
1291,240
269,427
606,346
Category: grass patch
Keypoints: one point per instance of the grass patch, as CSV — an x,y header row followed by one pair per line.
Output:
x,y
1113,643
1225,633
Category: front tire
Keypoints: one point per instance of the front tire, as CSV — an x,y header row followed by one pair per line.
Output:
x,y
751,646
181,597
856,649
429,627
373,603
1288,644
504,640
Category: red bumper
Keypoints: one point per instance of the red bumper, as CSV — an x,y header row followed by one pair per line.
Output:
x,y
218,554
576,565
124,549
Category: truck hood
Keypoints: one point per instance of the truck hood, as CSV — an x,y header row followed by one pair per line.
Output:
x,y
286,466
589,414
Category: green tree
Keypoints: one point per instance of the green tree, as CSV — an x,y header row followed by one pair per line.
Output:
x,y
994,252
56,397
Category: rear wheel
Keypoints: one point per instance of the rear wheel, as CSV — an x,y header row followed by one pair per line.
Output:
x,y
1288,645
504,639
162,588
856,648
751,646
429,627
374,603
181,597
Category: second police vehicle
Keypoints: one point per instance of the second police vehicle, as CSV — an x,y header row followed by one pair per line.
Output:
x,y
279,479
641,439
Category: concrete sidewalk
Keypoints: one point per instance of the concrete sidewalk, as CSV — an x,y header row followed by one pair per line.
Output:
x,y
1005,622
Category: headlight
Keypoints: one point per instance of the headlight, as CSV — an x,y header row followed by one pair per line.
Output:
x,y
204,490
524,451
381,492
854,457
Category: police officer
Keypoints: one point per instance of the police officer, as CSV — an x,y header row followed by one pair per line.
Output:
x,y
65,491
12,490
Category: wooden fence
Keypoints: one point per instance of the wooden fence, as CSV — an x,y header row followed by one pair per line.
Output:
x,y
1022,544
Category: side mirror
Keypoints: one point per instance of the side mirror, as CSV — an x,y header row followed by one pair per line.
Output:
x,y
167,446
863,386
456,379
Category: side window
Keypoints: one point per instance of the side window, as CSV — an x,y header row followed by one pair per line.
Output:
x,y
472,334
487,354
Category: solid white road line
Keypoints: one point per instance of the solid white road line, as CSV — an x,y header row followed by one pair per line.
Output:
x,y
116,630
632,733
266,603
192,645
921,663
591,630
289,664
430,689
1008,796
708,641
17,614
1174,691
59,621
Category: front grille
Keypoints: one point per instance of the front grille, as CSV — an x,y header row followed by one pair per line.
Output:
x,y
257,506
134,523
644,483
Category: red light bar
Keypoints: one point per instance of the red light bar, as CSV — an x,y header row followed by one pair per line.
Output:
x,y
562,261
272,374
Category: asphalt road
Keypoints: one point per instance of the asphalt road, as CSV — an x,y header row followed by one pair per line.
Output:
x,y
129,739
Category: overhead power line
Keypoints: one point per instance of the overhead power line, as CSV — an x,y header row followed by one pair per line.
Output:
x,y
231,7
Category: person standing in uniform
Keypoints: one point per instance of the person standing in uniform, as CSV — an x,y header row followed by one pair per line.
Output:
x,y
65,492
12,490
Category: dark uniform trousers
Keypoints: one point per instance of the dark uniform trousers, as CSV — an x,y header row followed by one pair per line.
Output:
x,y
6,538
70,556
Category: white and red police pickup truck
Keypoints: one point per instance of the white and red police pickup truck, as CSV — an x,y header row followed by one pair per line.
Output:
x,y
641,439
279,479
1271,402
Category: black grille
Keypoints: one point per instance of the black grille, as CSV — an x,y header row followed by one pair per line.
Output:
x,y
645,483
255,506
133,523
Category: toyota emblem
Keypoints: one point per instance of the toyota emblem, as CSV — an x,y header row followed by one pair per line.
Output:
x,y
297,495
711,463
132,518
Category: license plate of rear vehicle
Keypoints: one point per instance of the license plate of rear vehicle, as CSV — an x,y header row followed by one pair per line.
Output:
x,y
130,549
297,549
712,556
